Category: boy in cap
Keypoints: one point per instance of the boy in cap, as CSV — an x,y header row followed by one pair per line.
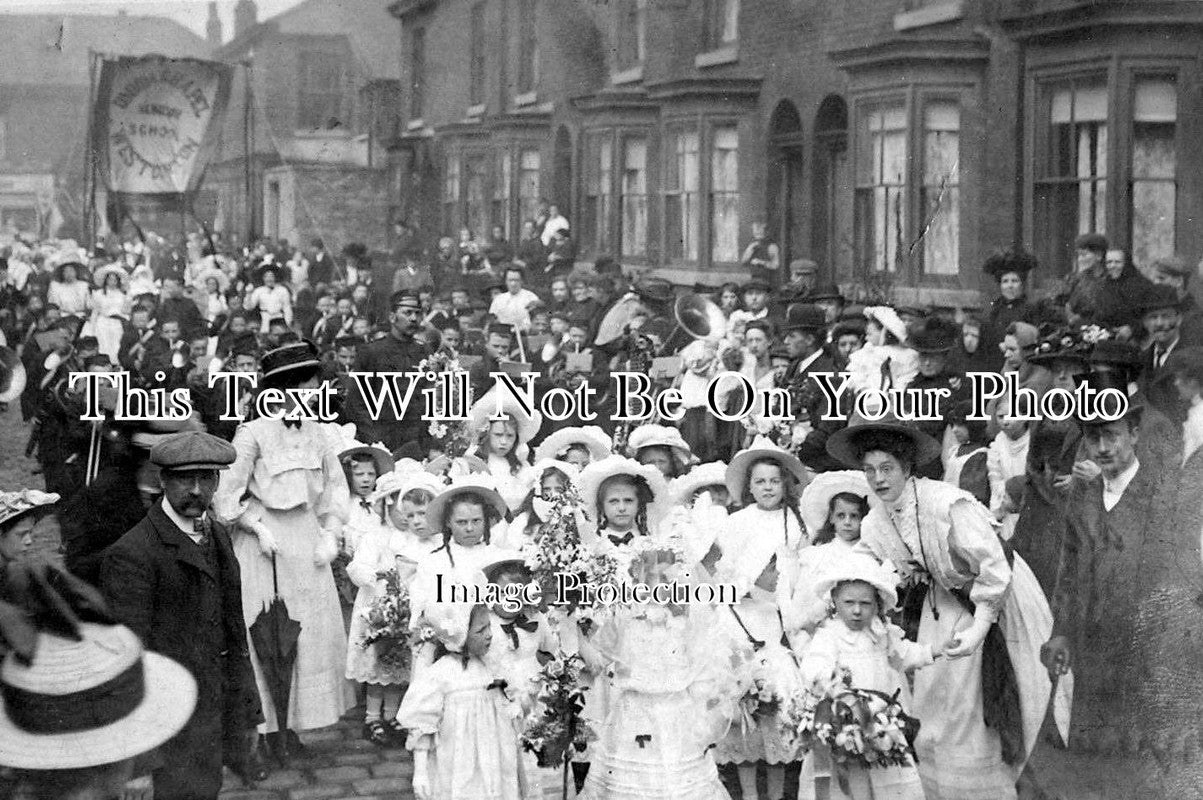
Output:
x,y
174,580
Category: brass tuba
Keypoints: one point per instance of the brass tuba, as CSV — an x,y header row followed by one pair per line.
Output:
x,y
698,317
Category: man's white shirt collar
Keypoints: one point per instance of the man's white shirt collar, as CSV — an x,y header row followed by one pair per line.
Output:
x,y
1114,489
183,523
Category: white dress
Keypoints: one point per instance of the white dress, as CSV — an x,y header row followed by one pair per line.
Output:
x,y
109,308
377,552
475,753
877,657
656,728
868,367
291,479
512,486
1007,458
802,609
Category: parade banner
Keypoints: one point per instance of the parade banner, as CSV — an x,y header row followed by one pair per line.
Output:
x,y
156,122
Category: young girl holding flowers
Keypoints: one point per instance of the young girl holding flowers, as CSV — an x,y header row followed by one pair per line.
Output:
x,y
857,638
392,546
462,726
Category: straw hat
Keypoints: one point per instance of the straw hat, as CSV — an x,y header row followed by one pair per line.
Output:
x,y
379,453
569,471
591,437
445,464
483,410
476,484
56,716
842,445
223,280
860,567
294,356
737,472
594,475
99,276
816,497
400,483
450,622
681,489
14,505
660,436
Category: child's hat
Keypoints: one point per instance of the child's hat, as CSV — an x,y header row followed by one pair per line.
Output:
x,y
660,436
762,448
480,486
400,483
379,453
594,475
569,471
482,412
450,622
591,437
861,567
682,488
816,497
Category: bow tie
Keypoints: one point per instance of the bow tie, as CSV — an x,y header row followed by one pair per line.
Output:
x,y
621,540
292,423
500,686
367,504
528,625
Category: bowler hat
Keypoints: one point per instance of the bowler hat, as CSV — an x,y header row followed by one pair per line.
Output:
x,y
654,290
1160,296
1173,266
828,291
607,265
193,450
757,285
805,317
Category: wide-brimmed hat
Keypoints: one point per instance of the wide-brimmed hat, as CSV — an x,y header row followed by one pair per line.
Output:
x,y
762,448
99,700
291,357
1002,262
844,443
102,273
1060,345
223,280
263,268
888,318
816,497
81,271
933,335
591,437
805,317
594,475
1116,353
682,489
860,567
476,484
450,621
482,412
12,375
14,505
660,436
442,465
569,471
401,482
379,453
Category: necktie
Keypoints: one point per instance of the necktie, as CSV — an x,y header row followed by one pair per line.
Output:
x,y
621,540
1158,357
292,423
510,628
200,529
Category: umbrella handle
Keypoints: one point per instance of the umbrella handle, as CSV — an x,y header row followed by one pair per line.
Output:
x,y
275,580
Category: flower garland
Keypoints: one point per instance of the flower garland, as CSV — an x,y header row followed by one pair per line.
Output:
x,y
554,729
860,727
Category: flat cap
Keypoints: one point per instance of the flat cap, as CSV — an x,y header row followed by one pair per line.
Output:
x,y
193,450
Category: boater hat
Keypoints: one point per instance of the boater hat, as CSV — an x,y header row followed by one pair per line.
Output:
x,y
660,436
762,448
594,475
480,486
14,505
681,490
99,276
482,411
816,497
99,700
844,443
287,358
860,567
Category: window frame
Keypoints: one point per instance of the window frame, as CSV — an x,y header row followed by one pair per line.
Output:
x,y
417,73
528,47
630,34
597,190
306,96
625,138
477,52
714,24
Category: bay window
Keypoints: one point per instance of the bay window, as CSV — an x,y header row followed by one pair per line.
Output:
x,y
529,174
724,195
599,169
881,187
451,177
1154,168
634,197
682,195
501,192
940,198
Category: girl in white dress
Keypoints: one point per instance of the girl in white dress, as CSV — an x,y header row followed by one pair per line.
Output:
x,y
858,637
68,292
663,711
760,547
699,501
552,478
110,307
883,362
503,446
463,730
579,446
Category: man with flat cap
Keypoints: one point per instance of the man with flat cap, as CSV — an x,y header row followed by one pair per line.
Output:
x,y
401,351
174,580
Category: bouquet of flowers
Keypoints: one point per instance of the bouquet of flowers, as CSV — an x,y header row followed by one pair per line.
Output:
x,y
388,623
452,436
762,699
554,729
860,727
557,550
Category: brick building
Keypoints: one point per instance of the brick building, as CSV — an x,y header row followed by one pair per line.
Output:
x,y
44,79
324,93
896,143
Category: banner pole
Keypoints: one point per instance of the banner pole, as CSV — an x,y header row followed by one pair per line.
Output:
x,y
248,136
89,204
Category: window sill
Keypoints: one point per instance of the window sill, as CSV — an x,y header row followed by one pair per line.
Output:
x,y
727,54
476,112
631,75
929,15
416,124
526,99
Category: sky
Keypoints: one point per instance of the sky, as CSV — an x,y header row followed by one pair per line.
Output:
x,y
192,13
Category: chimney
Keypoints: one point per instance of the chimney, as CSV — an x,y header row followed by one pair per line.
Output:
x,y
245,14
213,26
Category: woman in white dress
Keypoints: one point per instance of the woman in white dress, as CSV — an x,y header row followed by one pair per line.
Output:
x,y
288,495
67,291
110,308
957,584
272,299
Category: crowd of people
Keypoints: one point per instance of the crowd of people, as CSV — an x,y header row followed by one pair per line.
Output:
x,y
1029,588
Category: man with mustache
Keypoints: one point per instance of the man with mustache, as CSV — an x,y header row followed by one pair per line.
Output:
x,y
1162,319
174,580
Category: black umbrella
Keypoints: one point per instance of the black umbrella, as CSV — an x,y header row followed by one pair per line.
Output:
x,y
274,634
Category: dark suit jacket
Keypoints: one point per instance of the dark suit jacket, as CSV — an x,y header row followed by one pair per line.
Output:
x,y
188,608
